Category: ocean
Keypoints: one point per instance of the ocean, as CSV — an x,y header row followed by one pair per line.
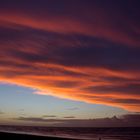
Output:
x,y
129,133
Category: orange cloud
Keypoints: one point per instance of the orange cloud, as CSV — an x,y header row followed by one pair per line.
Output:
x,y
90,54
69,87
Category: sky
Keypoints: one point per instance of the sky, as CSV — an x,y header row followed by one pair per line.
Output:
x,y
69,60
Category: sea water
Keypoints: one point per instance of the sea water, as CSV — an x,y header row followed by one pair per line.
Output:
x,y
126,133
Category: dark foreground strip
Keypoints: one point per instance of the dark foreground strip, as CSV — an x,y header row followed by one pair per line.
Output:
x,y
14,136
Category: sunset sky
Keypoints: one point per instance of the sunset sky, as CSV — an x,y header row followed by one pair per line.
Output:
x,y
68,59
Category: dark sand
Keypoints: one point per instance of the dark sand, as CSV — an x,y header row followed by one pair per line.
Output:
x,y
14,136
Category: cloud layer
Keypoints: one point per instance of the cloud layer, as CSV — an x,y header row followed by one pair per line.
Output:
x,y
128,120
87,51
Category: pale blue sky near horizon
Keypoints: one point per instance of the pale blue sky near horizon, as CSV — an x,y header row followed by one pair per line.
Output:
x,y
17,101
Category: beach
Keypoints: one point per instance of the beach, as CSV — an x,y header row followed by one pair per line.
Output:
x,y
13,136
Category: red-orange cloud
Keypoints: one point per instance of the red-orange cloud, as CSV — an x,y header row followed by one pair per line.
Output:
x,y
110,23
87,54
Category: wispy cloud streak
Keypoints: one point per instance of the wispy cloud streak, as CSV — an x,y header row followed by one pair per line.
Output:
x,y
128,120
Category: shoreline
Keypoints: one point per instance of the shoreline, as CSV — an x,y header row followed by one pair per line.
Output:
x,y
27,136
